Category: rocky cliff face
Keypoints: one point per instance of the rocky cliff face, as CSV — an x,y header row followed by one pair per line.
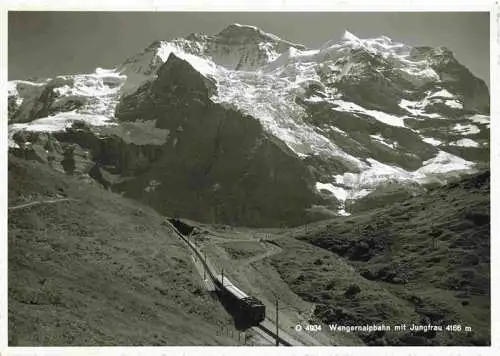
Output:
x,y
247,128
220,165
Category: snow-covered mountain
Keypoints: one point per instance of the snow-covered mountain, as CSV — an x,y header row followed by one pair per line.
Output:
x,y
350,117
50,104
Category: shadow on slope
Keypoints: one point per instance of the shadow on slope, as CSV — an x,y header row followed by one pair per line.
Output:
x,y
98,270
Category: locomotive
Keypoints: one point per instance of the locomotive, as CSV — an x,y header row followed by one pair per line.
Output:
x,y
248,310
181,226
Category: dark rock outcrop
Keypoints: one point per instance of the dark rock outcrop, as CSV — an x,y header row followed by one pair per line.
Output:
x,y
220,166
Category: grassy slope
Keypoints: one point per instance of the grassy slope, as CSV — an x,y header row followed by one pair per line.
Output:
x,y
99,270
425,259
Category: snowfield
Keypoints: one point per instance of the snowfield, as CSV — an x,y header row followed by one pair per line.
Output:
x,y
419,108
387,119
443,163
443,93
61,121
465,142
271,100
357,185
455,104
96,93
480,119
432,141
57,123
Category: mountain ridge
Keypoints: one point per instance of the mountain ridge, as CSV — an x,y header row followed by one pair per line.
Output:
x,y
357,113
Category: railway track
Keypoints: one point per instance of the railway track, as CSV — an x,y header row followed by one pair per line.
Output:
x,y
273,335
212,275
193,248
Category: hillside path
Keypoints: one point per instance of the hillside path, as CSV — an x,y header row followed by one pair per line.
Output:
x,y
38,202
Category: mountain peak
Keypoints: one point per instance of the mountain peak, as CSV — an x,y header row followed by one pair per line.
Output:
x,y
381,41
248,34
245,34
182,70
242,26
348,36
237,29
154,45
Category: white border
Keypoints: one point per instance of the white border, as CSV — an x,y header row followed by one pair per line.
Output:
x,y
494,164
246,5
3,179
255,5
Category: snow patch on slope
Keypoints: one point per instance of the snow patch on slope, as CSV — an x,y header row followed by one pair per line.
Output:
x,y
97,94
466,129
443,162
465,142
381,116
417,108
61,121
432,141
357,185
57,123
342,195
480,119
379,138
443,93
455,104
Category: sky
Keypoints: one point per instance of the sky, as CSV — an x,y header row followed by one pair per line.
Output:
x,y
45,44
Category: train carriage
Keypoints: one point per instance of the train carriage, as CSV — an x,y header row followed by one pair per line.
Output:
x,y
250,309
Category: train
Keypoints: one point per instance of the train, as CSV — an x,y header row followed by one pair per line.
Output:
x,y
181,226
247,310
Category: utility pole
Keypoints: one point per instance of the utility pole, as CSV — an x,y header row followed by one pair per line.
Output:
x,y
222,279
277,338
